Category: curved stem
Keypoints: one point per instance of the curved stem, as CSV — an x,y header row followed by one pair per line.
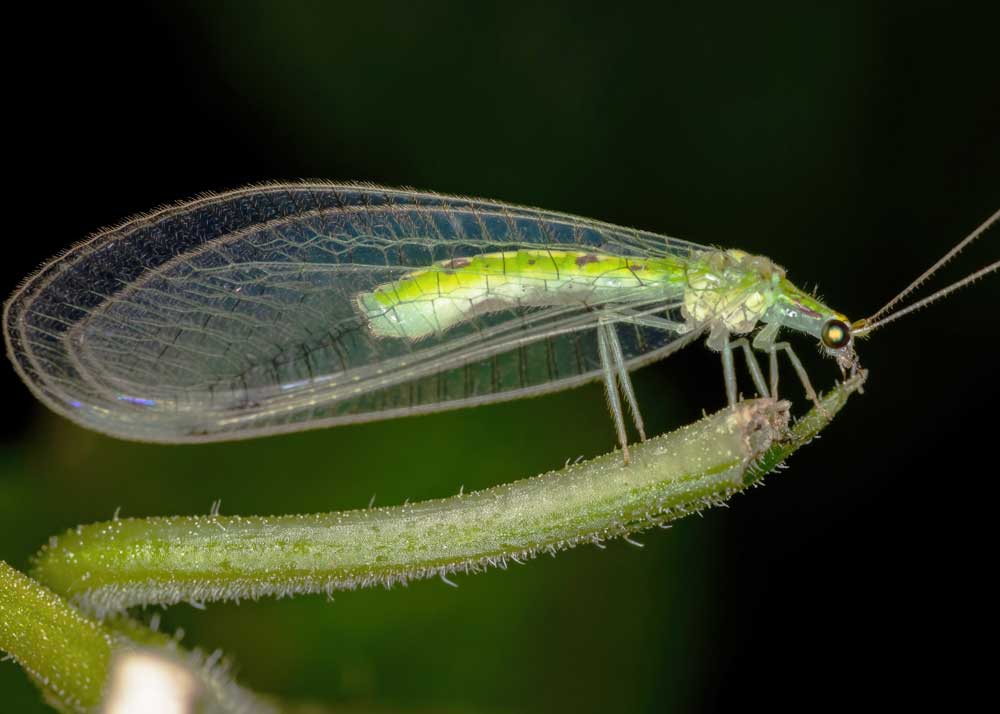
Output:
x,y
107,567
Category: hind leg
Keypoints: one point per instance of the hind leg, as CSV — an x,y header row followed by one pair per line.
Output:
x,y
608,371
624,380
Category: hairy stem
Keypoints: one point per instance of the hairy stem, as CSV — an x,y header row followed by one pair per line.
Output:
x,y
107,567
84,666
66,653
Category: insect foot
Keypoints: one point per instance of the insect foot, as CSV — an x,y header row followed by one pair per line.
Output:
x,y
762,422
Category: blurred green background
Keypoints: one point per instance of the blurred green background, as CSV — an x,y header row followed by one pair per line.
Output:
x,y
851,142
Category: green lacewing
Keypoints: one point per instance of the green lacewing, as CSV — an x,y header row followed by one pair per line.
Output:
x,y
284,307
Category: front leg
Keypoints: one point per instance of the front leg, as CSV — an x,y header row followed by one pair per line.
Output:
x,y
801,371
765,341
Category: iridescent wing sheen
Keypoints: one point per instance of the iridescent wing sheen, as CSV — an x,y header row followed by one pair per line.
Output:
x,y
235,315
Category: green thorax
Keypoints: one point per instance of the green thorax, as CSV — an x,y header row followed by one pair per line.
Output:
x,y
734,290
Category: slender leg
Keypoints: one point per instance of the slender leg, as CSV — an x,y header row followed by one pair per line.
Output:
x,y
729,372
623,376
613,364
753,366
611,388
800,370
764,341
773,359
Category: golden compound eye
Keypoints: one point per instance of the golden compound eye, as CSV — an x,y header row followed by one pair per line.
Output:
x,y
836,334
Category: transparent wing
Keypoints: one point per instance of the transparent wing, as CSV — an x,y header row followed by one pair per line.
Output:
x,y
236,315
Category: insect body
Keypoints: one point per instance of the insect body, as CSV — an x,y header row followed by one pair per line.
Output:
x,y
286,307
446,293
724,292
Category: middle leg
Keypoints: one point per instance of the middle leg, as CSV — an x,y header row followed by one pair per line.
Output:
x,y
753,366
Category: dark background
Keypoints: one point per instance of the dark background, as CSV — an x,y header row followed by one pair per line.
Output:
x,y
853,144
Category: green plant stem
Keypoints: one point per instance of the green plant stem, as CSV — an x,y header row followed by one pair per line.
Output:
x,y
107,567
70,655
66,653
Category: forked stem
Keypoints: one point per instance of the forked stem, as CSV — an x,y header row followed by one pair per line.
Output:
x,y
106,567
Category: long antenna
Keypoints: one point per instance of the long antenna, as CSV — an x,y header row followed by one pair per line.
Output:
x,y
863,327
933,269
